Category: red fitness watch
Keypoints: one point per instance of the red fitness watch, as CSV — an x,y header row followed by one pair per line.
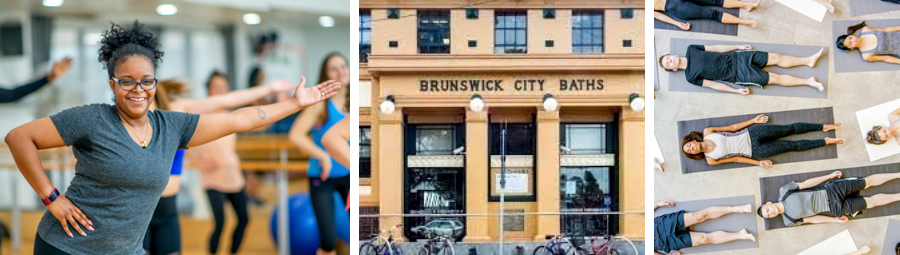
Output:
x,y
51,198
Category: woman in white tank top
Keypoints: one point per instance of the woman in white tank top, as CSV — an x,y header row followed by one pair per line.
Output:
x,y
746,143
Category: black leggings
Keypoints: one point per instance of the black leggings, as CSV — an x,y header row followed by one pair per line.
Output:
x,y
217,202
322,196
764,139
163,235
43,248
692,9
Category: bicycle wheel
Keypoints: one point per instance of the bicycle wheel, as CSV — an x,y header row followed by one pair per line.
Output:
x,y
367,249
541,250
446,248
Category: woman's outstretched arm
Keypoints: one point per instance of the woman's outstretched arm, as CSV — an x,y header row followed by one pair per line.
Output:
x,y
665,18
24,143
335,142
762,118
881,58
232,99
214,126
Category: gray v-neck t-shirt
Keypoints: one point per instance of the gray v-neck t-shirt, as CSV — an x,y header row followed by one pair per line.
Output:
x,y
117,183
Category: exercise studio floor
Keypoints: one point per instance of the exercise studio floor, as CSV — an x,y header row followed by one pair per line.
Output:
x,y
195,232
847,93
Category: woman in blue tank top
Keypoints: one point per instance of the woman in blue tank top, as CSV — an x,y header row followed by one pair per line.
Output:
x,y
326,175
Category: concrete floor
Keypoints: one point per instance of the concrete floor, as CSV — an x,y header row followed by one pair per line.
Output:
x,y
847,93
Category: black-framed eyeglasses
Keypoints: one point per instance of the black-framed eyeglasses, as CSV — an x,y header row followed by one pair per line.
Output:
x,y
129,84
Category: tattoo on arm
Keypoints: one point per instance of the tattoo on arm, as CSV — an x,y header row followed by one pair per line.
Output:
x,y
260,112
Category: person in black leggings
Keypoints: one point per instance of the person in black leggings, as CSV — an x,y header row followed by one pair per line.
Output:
x,y
217,202
666,10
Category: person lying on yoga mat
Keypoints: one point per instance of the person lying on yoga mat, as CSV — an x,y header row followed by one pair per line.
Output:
x,y
880,134
819,200
696,9
706,65
874,44
744,142
671,233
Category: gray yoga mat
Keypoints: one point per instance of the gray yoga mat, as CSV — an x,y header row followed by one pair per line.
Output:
x,y
768,188
816,115
703,25
655,69
863,7
677,82
851,61
891,237
731,223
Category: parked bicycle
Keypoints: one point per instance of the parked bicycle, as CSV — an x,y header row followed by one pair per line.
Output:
x,y
380,245
558,245
436,244
608,247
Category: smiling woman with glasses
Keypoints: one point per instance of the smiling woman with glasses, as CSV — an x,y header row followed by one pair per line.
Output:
x,y
124,151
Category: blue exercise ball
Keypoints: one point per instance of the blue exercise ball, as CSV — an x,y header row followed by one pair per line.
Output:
x,y
303,230
341,218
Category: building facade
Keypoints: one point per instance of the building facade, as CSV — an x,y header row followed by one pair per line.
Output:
x,y
448,86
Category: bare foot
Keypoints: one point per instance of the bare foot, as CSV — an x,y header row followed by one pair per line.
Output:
x,y
816,84
832,127
752,23
815,58
750,7
747,236
829,140
743,208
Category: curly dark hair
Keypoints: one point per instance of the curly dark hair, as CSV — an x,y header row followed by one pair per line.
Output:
x,y
119,43
897,249
693,136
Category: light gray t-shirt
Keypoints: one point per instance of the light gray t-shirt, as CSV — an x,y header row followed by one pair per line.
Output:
x,y
117,183
799,204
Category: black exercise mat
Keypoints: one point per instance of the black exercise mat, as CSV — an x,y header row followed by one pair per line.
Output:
x,y
851,61
677,82
731,223
891,237
704,25
817,115
863,7
768,189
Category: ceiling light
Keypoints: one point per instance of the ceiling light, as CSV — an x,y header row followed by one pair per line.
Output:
x,y
326,21
251,19
53,3
166,9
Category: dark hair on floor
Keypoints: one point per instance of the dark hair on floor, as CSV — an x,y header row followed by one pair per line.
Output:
x,y
759,211
839,43
872,136
897,249
661,65
119,43
693,136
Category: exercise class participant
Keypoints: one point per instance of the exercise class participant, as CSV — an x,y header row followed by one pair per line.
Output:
x,y
880,134
671,232
811,201
59,69
705,65
874,44
124,151
747,143
334,142
219,164
696,9
164,234
326,175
